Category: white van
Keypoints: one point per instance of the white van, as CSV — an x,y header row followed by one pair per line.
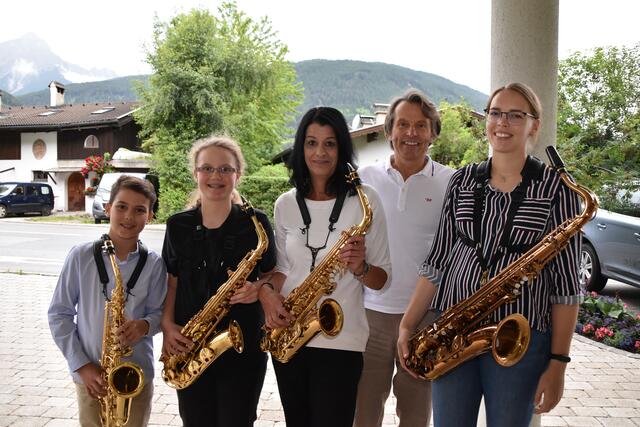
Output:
x,y
104,192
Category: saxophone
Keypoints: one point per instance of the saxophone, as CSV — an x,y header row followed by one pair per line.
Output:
x,y
182,370
458,335
283,343
125,380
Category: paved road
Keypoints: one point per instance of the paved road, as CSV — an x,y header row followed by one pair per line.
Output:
x,y
40,247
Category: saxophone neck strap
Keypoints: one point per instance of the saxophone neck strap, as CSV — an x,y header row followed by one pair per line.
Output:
x,y
533,170
102,271
306,219
333,218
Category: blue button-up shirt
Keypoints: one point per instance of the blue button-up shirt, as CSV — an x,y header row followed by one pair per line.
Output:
x,y
76,313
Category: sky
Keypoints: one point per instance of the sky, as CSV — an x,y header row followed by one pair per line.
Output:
x,y
114,34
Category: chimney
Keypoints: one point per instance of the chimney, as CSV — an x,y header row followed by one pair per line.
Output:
x,y
57,94
380,111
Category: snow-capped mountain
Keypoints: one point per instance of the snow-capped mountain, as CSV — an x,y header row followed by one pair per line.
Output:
x,y
27,64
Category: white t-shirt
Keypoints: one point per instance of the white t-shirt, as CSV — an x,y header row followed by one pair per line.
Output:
x,y
413,208
294,258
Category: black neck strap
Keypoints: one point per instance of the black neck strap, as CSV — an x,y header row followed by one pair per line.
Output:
x,y
333,218
102,271
533,169
306,219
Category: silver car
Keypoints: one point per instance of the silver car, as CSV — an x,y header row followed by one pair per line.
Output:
x,y
610,249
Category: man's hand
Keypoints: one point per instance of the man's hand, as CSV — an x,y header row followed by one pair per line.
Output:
x,y
93,378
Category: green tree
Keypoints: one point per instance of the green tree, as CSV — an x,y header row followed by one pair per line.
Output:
x,y
461,139
223,73
599,118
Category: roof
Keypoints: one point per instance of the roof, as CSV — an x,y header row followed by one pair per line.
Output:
x,y
67,116
367,130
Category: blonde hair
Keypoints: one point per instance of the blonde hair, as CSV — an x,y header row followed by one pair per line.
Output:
x,y
219,141
528,94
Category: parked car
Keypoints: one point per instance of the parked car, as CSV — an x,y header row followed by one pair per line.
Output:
x,y
103,192
23,197
610,250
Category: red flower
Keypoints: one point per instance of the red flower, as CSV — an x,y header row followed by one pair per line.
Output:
x,y
588,328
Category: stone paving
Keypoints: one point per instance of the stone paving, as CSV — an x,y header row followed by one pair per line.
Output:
x,y
602,384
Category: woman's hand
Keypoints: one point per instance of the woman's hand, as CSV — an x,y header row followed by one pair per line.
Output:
x,y
550,387
132,330
173,342
247,294
93,378
275,315
403,349
353,253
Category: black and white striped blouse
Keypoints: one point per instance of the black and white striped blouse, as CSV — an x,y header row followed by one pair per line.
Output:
x,y
454,267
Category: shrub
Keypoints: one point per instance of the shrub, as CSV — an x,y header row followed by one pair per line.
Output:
x,y
607,320
263,187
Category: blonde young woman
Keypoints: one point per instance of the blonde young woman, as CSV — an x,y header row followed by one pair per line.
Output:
x,y
200,245
493,213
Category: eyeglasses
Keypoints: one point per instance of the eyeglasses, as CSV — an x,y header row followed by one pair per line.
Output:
x,y
513,117
224,170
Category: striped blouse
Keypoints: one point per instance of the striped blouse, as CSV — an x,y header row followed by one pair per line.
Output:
x,y
453,265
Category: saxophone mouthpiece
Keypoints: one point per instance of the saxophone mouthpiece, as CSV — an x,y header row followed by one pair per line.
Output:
x,y
352,176
554,157
246,206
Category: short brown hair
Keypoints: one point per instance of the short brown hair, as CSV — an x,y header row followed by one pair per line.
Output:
x,y
414,96
526,92
139,185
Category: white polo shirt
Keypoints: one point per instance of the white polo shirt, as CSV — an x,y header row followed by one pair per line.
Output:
x,y
412,208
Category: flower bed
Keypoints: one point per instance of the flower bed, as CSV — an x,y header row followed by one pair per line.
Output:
x,y
607,320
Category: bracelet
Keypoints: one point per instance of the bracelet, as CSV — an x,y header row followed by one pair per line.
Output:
x,y
560,358
269,285
365,270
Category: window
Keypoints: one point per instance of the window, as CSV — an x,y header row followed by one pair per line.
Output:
x,y
103,110
44,189
31,190
40,176
91,141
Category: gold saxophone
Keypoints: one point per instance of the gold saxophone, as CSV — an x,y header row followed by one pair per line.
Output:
x,y
458,335
125,380
183,369
283,343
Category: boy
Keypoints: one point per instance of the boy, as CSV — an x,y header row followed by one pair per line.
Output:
x,y
82,292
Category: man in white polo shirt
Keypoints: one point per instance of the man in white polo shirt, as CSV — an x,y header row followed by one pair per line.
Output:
x,y
412,188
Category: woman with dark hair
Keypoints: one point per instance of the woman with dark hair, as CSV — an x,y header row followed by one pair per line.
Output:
x,y
318,385
493,213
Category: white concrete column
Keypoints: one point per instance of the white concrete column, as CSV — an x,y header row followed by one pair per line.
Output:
x,y
524,48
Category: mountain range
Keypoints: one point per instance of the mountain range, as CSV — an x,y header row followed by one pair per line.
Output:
x,y
27,66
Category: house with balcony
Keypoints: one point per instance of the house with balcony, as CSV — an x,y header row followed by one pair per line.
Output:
x,y
49,143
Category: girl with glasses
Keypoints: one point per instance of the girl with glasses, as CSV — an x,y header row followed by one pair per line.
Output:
x,y
493,213
201,244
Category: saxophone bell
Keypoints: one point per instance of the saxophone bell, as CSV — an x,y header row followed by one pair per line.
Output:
x,y
330,317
